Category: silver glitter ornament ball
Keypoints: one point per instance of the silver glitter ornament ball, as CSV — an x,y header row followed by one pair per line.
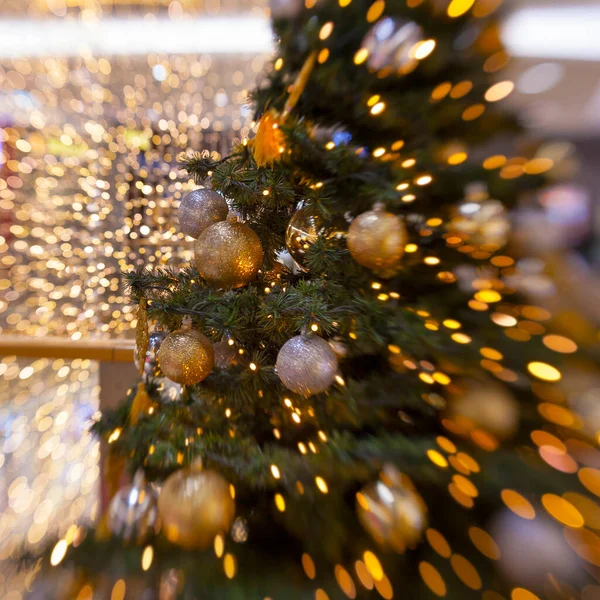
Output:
x,y
133,513
151,367
285,9
390,43
199,209
225,354
516,537
306,365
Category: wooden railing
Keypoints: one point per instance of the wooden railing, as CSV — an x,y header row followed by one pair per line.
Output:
x,y
115,357
116,374
107,350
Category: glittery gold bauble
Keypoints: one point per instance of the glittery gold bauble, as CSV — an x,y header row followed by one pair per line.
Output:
x,y
306,364
391,511
195,505
132,513
199,209
302,232
186,356
376,240
485,405
228,254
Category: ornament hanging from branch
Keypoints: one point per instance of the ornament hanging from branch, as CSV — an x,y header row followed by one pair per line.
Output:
x,y
199,209
228,254
269,143
307,365
132,513
376,240
141,402
285,9
225,353
391,511
195,505
141,332
484,220
393,44
302,232
148,363
186,356
485,405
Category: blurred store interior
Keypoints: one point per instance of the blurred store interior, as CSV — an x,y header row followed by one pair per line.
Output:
x,y
98,98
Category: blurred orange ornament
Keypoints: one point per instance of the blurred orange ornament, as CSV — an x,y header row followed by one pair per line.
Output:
x,y
269,141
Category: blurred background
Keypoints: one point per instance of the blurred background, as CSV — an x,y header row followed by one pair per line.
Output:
x,y
98,98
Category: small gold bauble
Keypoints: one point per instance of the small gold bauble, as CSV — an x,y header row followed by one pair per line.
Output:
x,y
376,240
195,505
199,209
391,511
228,254
186,356
486,405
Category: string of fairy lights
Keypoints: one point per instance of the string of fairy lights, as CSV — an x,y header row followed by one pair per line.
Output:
x,y
85,199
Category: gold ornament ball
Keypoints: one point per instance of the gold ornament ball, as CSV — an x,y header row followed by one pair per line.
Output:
x,y
186,356
132,512
391,511
488,406
376,240
199,209
195,505
228,254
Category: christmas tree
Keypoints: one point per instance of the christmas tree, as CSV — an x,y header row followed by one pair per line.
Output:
x,y
335,399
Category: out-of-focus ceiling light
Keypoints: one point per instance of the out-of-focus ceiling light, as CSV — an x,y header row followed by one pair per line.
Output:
x,y
560,32
244,34
159,72
540,78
